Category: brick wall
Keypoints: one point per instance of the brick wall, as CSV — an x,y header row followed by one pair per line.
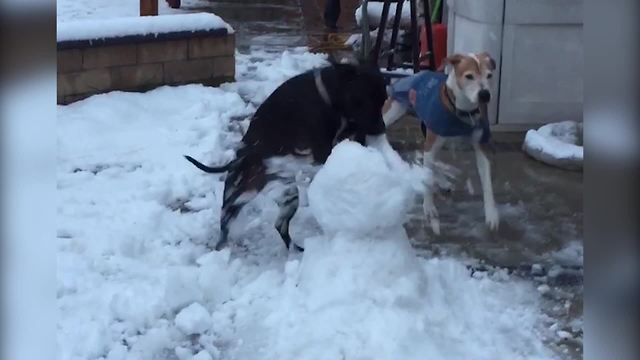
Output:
x,y
141,63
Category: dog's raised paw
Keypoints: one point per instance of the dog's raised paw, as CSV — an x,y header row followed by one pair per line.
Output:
x,y
435,225
431,214
491,217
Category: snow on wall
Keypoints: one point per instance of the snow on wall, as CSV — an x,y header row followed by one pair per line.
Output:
x,y
90,29
69,10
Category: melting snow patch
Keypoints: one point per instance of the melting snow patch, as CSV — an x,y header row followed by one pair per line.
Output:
x,y
557,144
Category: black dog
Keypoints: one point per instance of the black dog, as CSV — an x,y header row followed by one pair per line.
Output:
x,y
305,118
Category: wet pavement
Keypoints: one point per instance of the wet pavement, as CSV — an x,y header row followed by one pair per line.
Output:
x,y
541,232
540,206
277,24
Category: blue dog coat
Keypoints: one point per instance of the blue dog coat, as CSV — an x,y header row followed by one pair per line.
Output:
x,y
430,109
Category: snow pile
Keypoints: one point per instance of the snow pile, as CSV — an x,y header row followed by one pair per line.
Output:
x,y
558,144
91,29
355,186
374,299
359,293
135,280
194,319
134,217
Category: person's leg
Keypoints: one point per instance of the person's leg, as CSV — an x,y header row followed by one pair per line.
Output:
x,y
332,13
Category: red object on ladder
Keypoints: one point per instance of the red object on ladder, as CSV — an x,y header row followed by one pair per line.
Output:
x,y
439,44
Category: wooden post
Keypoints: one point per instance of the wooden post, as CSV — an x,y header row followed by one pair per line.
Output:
x,y
148,7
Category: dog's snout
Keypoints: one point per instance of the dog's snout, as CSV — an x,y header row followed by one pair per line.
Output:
x,y
484,96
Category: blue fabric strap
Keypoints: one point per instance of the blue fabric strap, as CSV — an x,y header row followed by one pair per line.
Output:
x,y
430,109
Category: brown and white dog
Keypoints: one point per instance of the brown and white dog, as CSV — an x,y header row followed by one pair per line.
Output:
x,y
450,106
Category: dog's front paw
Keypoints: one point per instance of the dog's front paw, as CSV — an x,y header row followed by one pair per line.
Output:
x,y
435,225
491,217
431,214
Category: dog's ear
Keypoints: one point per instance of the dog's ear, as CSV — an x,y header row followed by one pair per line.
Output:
x,y
492,63
451,60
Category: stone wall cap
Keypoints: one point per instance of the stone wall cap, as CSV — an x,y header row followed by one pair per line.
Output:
x,y
139,26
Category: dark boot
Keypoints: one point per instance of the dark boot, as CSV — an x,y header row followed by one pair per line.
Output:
x,y
332,14
174,4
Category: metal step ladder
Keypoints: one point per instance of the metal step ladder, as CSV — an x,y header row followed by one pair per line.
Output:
x,y
375,53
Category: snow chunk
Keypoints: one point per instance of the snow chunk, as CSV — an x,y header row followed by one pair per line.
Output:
x,y
181,286
215,276
183,353
544,288
373,298
194,319
572,254
564,335
357,191
558,144
202,355
139,25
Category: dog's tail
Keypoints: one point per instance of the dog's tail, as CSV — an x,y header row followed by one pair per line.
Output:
x,y
209,169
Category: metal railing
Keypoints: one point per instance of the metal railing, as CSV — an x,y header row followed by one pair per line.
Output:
x,y
416,60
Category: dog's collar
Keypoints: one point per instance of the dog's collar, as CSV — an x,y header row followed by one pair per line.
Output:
x,y
461,114
322,90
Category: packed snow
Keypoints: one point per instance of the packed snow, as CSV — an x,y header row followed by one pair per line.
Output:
x,y
558,144
70,10
141,25
335,193
194,319
136,281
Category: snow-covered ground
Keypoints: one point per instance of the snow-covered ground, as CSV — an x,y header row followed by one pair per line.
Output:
x,y
135,280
